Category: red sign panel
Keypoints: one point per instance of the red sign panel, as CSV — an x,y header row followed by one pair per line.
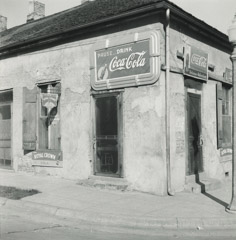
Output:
x,y
196,63
124,60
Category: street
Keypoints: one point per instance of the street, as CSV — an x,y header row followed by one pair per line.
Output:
x,y
23,224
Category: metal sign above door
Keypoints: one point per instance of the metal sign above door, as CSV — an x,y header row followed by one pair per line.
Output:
x,y
195,63
125,61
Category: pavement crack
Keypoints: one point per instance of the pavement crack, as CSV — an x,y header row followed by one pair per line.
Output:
x,y
46,228
36,229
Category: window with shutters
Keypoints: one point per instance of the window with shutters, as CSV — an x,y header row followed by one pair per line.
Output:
x,y
49,117
224,116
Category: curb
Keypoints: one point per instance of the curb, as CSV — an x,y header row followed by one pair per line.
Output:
x,y
3,201
125,221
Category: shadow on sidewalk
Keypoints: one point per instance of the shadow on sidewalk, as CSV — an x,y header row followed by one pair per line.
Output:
x,y
203,191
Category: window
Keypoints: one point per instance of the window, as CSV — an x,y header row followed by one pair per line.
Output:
x,y
41,117
49,117
224,118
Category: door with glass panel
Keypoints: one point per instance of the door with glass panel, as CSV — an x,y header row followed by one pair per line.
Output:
x,y
107,135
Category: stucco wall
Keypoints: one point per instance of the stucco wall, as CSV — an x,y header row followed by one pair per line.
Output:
x,y
178,153
144,137
211,158
62,64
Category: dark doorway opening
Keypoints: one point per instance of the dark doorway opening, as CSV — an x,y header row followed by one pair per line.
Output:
x,y
195,142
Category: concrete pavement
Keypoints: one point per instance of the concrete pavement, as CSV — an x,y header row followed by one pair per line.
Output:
x,y
65,198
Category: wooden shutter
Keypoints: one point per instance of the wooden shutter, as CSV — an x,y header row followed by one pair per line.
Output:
x,y
29,118
227,132
219,114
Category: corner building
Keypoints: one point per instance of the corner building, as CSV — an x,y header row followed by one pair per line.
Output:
x,y
133,90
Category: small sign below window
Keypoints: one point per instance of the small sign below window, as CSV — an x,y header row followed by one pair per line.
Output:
x,y
195,63
125,61
47,158
225,151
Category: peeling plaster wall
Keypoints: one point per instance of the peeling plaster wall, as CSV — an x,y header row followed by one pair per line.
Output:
x,y
57,64
211,156
144,137
177,132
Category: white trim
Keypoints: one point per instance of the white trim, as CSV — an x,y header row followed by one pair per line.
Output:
x,y
47,82
195,91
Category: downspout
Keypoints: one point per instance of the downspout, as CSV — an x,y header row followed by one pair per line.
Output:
x,y
167,100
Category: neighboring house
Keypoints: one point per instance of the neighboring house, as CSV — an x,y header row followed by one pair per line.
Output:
x,y
138,90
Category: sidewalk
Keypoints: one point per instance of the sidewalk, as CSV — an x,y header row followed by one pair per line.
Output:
x,y
64,198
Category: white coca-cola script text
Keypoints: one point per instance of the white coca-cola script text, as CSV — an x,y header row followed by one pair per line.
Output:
x,y
134,60
199,60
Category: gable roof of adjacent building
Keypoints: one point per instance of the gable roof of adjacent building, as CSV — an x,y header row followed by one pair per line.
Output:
x,y
90,14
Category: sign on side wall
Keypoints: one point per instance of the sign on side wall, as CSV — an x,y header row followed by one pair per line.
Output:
x,y
127,61
47,158
49,100
225,151
195,63
228,75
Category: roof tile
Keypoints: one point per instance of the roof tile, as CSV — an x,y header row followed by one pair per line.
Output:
x,y
74,17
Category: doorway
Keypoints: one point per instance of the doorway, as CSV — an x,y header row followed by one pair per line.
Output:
x,y
107,135
195,142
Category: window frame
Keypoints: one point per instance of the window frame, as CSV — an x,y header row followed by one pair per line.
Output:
x,y
224,91
41,117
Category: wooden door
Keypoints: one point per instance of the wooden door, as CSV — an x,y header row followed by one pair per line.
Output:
x,y
5,135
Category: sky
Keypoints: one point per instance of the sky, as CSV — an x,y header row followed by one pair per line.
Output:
x,y
217,13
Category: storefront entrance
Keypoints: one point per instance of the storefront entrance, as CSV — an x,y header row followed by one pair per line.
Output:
x,y
5,129
195,141
107,135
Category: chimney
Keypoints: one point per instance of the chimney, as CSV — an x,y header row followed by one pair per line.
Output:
x,y
36,10
3,23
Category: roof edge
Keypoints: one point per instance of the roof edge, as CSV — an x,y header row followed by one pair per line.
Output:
x,y
162,5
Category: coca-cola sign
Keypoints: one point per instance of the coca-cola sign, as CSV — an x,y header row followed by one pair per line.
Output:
x,y
196,63
123,60
128,60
